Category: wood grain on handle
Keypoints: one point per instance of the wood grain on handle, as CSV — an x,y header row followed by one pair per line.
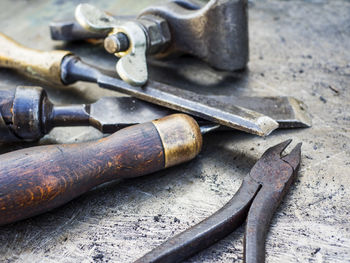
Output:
x,y
38,179
43,65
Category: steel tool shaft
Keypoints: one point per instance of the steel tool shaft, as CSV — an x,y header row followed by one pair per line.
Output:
x,y
26,113
63,67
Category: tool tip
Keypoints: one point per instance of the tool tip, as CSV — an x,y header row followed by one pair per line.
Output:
x,y
277,149
302,117
266,125
294,157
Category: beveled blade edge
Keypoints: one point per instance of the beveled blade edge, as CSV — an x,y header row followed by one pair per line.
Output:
x,y
301,114
292,113
254,123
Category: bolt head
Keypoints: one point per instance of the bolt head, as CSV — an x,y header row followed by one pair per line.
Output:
x,y
116,43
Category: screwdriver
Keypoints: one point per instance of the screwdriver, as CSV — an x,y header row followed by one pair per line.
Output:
x,y
38,179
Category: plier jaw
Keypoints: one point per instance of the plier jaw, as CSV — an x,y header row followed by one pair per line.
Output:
x,y
274,173
273,169
256,200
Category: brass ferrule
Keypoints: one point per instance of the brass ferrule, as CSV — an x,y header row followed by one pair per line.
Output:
x,y
181,138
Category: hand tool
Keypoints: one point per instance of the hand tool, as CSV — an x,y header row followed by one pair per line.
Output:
x,y
260,194
216,32
63,68
26,114
37,179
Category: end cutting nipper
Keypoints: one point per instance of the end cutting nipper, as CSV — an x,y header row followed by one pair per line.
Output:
x,y
260,194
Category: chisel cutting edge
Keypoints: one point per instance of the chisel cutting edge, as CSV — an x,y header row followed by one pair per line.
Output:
x,y
26,113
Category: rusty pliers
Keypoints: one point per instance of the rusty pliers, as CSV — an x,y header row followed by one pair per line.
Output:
x,y
258,197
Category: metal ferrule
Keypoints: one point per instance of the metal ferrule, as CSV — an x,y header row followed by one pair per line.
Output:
x,y
157,33
27,112
181,138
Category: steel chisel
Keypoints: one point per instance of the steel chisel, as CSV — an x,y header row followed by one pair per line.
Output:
x,y
26,113
62,67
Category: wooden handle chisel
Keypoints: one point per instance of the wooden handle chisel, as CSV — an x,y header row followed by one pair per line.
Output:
x,y
38,179
62,67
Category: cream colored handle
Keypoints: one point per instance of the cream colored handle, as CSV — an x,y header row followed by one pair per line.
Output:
x,y
42,65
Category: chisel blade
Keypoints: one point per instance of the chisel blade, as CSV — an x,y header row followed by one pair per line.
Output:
x,y
289,112
200,106
125,111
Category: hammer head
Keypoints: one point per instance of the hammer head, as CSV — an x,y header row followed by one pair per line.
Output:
x,y
221,41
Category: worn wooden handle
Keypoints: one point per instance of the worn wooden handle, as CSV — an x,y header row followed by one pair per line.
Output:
x,y
38,179
43,65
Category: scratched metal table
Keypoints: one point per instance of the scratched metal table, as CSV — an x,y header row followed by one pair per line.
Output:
x,y
298,48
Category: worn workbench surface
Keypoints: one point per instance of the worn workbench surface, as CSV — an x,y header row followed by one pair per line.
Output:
x,y
298,48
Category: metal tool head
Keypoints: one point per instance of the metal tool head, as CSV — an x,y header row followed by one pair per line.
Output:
x,y
258,196
122,112
275,170
215,31
169,96
93,19
289,112
131,66
71,31
275,174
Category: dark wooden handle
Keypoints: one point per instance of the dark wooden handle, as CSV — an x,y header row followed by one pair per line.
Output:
x,y
43,65
38,179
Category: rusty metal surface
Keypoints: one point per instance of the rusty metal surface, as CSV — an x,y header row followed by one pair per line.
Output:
x,y
165,29
194,30
297,48
27,114
240,118
72,69
260,193
189,33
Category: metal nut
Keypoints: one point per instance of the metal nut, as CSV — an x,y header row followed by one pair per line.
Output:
x,y
157,32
